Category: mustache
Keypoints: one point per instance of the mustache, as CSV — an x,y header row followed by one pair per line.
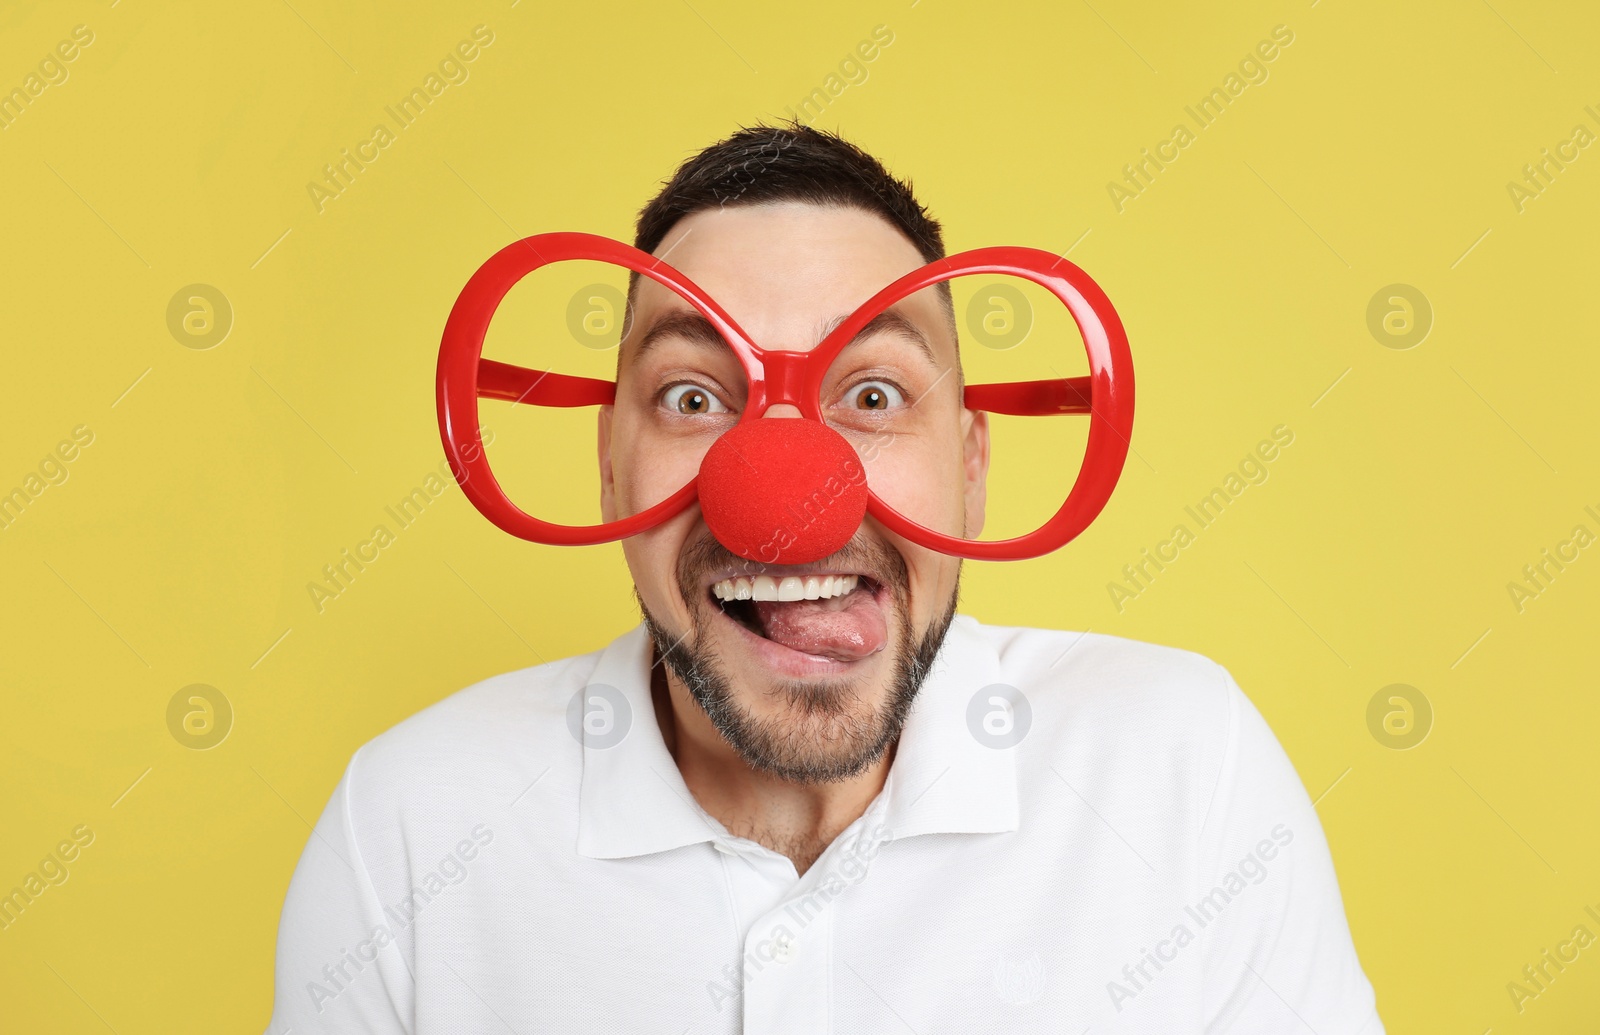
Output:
x,y
864,553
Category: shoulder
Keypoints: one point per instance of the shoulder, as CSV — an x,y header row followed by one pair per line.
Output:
x,y
479,745
1112,679
501,709
1148,726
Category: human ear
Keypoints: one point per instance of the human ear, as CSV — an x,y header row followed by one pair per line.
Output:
x,y
975,467
608,494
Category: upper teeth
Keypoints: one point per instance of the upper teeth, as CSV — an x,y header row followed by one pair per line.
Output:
x,y
793,587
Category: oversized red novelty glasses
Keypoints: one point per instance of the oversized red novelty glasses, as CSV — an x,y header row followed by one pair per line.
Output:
x,y
761,468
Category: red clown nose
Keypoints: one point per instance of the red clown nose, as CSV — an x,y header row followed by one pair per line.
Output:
x,y
782,490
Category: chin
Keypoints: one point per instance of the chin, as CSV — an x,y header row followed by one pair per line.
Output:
x,y
808,671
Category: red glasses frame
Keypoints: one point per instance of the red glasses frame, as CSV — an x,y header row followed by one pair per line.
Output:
x,y
783,376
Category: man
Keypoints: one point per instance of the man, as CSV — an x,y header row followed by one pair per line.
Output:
x,y
858,812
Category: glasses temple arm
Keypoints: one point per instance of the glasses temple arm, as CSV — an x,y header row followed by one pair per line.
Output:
x,y
1032,398
541,387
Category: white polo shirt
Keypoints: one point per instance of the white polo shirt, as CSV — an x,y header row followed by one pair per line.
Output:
x,y
1077,832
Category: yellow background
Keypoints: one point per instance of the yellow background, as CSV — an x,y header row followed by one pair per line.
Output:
x,y
1378,552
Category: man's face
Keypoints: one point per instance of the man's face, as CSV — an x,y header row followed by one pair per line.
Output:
x,y
807,689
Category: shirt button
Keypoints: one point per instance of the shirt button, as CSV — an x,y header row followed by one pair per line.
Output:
x,y
783,948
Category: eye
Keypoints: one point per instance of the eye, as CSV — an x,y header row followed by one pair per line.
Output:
x,y
691,400
874,395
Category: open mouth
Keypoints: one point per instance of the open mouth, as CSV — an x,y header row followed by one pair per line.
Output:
x,y
831,616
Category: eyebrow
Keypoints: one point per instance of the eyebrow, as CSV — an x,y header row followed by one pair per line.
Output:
x,y
692,327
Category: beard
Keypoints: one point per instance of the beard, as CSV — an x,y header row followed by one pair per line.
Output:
x,y
829,730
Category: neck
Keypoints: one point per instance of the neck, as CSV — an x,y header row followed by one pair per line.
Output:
x,y
797,820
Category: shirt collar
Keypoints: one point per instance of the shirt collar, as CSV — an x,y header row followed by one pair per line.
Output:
x,y
633,801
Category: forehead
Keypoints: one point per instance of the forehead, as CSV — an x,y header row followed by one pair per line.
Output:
x,y
786,272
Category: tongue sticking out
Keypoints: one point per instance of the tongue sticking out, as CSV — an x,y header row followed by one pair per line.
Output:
x,y
845,629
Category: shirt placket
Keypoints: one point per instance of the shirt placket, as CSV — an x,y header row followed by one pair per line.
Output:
x,y
788,947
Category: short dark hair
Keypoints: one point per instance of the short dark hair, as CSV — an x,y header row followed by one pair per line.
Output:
x,y
790,161
787,162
